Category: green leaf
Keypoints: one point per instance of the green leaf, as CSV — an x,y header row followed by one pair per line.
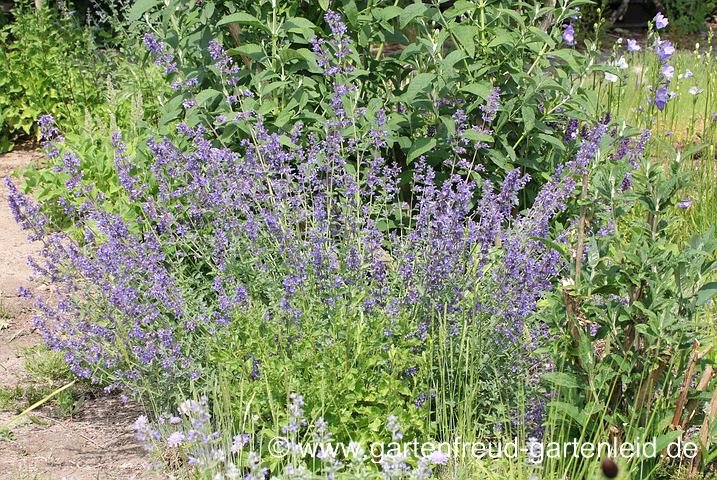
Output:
x,y
139,8
418,84
465,35
570,410
205,96
528,117
568,56
561,249
480,89
242,18
419,147
663,441
251,50
706,293
387,13
300,25
410,12
562,379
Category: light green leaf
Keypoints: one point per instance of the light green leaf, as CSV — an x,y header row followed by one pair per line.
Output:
x,y
242,18
528,117
419,147
465,35
139,8
418,84
706,293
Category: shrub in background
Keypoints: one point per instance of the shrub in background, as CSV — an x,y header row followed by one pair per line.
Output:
x,y
425,65
52,65
48,67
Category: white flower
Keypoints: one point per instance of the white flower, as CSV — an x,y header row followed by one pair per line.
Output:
x,y
611,77
622,64
695,91
687,74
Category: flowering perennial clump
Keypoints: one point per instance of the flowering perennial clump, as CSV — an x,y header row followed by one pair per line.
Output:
x,y
285,232
285,227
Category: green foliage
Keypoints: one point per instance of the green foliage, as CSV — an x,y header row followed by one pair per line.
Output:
x,y
52,65
93,145
421,63
46,371
689,16
626,326
49,66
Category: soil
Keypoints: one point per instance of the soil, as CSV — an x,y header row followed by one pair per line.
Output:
x,y
97,442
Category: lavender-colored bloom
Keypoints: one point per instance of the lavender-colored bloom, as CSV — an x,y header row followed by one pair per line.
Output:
x,y
175,439
569,35
661,98
491,106
611,77
438,458
660,21
632,45
664,50
695,91
239,442
571,133
223,63
668,71
159,52
685,203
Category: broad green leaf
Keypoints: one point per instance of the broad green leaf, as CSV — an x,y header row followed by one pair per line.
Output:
x,y
706,293
663,441
410,12
528,117
465,35
419,147
139,8
205,96
562,379
480,89
418,84
242,18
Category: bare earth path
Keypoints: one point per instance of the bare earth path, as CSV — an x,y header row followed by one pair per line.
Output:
x,y
97,443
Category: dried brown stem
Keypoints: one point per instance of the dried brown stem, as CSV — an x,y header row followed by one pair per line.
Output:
x,y
704,434
694,358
